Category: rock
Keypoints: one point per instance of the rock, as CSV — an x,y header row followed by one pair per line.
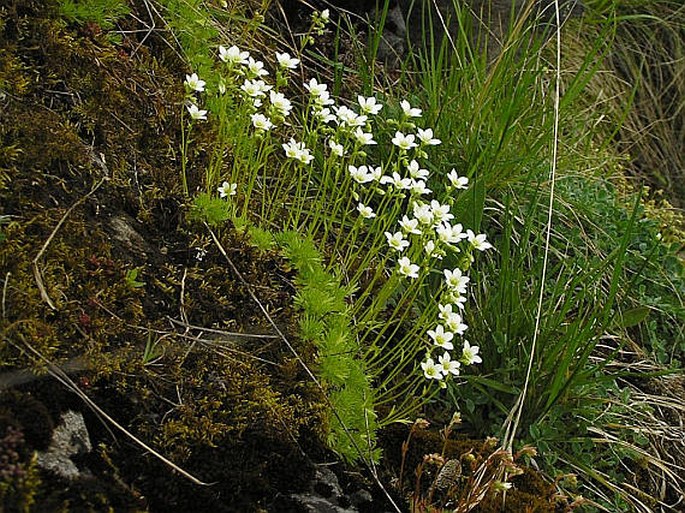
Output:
x,y
360,498
326,484
69,438
313,504
121,227
325,495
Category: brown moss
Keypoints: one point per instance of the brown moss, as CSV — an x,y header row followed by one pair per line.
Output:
x,y
79,110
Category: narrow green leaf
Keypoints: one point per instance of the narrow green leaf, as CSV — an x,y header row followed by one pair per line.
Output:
x,y
632,317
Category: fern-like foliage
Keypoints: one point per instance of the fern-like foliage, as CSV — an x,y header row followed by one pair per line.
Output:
x,y
210,210
104,13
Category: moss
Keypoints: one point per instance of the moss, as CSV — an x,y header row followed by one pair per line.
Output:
x,y
18,492
235,410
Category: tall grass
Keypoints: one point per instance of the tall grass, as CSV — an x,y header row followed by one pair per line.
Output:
x,y
500,114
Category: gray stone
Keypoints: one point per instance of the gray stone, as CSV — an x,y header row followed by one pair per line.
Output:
x,y
69,438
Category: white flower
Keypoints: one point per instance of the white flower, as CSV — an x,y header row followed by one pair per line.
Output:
x,y
456,299
444,232
365,212
261,122
426,137
440,212
336,149
324,115
406,268
306,157
416,172
478,241
454,323
431,251
450,234
348,117
431,370
256,68
423,213
325,15
442,338
297,151
280,103
456,281
255,88
323,99
404,142
360,174
410,225
285,61
197,114
364,138
458,182
292,149
418,187
397,241
369,105
227,189
409,111
315,89
429,247
397,181
233,55
469,354
447,365
193,83
375,173
445,311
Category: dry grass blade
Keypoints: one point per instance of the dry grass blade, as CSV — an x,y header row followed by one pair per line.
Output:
x,y
653,417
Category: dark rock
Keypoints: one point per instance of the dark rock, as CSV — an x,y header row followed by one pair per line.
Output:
x,y
360,498
326,484
313,504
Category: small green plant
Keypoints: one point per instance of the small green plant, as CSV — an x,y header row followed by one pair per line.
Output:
x,y
152,351
326,323
208,209
131,278
392,217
